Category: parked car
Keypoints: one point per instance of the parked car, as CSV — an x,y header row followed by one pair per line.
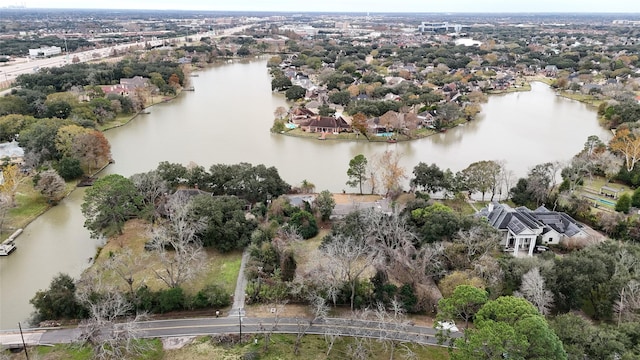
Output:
x,y
446,325
541,249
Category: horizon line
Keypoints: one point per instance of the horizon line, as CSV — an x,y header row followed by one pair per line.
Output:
x,y
330,12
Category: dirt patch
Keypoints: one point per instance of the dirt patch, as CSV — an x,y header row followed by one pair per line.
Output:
x,y
342,199
172,343
288,310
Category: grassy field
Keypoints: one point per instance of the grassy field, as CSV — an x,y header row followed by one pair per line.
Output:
x,y
280,347
221,269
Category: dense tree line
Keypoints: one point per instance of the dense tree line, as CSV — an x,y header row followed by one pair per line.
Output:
x,y
62,79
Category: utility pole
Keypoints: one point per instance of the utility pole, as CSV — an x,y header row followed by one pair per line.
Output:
x,y
24,346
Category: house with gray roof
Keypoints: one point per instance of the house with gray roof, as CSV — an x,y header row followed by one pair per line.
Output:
x,y
522,228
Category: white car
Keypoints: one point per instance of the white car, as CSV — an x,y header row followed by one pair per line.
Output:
x,y
446,325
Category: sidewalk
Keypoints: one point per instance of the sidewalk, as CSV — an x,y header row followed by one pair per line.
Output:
x,y
237,309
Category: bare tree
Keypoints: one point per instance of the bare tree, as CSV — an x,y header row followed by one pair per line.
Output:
x,y
347,259
478,241
627,307
609,163
390,324
51,185
111,328
319,309
331,334
5,205
125,264
12,178
276,309
395,249
508,178
177,244
359,348
534,290
392,173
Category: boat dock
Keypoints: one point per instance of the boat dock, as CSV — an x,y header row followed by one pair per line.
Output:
x,y
8,246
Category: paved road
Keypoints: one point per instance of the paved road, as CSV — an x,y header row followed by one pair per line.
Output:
x,y
210,326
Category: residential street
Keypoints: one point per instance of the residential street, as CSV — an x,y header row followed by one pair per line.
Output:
x,y
210,326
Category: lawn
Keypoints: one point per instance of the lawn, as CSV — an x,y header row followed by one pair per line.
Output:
x,y
313,347
281,347
29,204
82,352
592,187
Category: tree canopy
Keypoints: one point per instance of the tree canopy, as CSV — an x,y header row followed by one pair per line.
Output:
x,y
109,203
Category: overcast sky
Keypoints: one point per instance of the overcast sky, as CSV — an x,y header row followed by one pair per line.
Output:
x,y
597,6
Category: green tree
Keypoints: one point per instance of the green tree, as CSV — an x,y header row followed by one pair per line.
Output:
x,y
227,228
295,92
280,83
590,278
509,327
109,203
481,176
575,332
58,109
305,223
496,340
59,301
357,171
431,178
12,125
464,303
435,222
40,138
325,204
174,174
624,203
69,168
326,110
252,183
635,199
340,97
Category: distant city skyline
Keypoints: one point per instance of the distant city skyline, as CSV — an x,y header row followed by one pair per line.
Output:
x,y
418,6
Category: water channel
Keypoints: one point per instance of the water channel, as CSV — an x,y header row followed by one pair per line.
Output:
x,y
227,120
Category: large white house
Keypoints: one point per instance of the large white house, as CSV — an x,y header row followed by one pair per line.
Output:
x,y
522,228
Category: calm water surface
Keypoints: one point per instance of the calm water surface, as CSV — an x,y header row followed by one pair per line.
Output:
x,y
227,120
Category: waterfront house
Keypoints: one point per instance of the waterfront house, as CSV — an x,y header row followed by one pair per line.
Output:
x,y
326,124
522,228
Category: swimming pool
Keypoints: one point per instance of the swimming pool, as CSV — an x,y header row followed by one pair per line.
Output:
x,y
385,134
607,202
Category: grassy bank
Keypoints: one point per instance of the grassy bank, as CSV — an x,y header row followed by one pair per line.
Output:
x,y
29,204
418,134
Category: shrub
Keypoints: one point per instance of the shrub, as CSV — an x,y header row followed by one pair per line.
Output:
x,y
305,223
624,204
171,299
211,296
69,168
